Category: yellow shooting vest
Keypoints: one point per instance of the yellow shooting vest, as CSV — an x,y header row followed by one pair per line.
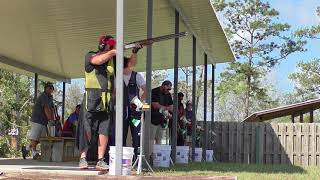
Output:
x,y
99,86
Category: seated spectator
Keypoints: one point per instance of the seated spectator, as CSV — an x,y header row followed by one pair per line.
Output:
x,y
69,127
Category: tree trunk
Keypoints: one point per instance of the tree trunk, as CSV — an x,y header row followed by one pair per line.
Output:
x,y
199,89
247,100
14,139
14,114
186,72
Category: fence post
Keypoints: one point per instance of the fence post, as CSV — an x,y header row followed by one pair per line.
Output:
x,y
259,143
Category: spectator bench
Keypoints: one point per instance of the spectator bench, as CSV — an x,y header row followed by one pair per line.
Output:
x,y
58,149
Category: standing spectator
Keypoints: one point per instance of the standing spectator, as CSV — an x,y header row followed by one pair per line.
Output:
x,y
43,111
134,83
161,109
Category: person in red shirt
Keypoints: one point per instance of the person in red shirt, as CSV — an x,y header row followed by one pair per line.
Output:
x,y
69,127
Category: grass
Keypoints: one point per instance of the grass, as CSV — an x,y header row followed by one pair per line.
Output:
x,y
242,171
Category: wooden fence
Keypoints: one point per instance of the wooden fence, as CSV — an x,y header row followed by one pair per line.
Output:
x,y
275,143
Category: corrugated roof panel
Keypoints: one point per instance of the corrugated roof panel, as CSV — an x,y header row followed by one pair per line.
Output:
x,y
54,35
201,20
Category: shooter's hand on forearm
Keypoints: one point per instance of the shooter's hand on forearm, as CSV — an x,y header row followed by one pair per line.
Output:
x,y
137,48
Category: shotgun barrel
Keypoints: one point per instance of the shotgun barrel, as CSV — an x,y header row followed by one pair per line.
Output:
x,y
146,42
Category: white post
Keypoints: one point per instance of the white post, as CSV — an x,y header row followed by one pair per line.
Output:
x,y
119,87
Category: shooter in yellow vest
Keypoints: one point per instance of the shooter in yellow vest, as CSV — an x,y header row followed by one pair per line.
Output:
x,y
96,113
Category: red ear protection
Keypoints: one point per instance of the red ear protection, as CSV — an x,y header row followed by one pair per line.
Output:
x,y
106,40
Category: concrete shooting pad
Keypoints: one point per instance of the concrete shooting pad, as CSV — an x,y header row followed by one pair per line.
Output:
x,y
31,169
34,166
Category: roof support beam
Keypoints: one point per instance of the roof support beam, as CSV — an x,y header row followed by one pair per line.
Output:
x,y
194,60
311,116
15,63
301,117
175,96
147,123
205,134
212,101
63,100
35,87
292,118
119,87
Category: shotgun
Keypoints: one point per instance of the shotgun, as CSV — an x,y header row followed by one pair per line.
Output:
x,y
147,42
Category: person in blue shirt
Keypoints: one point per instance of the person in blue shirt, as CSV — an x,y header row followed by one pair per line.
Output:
x,y
69,127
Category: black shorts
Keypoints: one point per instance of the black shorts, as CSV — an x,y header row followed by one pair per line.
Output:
x,y
99,122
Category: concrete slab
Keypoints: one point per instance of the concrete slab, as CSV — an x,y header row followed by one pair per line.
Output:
x,y
30,169
29,165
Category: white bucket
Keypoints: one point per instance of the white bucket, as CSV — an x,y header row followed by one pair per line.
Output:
x,y
182,154
128,153
198,154
161,155
209,155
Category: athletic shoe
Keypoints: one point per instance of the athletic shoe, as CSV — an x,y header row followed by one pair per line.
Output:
x,y
102,166
83,164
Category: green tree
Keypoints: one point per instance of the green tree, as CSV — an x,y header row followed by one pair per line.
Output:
x,y
186,86
15,111
307,79
259,42
312,32
158,77
74,96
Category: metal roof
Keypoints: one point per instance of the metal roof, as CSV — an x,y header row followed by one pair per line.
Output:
x,y
51,37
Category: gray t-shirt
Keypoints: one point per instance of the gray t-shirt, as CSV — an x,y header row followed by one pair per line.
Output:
x,y
38,115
